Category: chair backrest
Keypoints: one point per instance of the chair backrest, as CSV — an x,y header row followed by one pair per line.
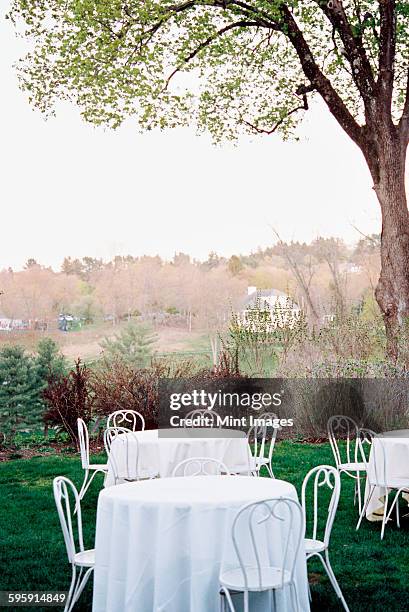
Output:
x,y
124,461
270,432
319,479
212,418
126,418
343,428
200,466
365,438
280,513
256,438
110,434
63,490
83,438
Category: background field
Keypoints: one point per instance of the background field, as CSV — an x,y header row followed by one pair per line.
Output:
x,y
86,342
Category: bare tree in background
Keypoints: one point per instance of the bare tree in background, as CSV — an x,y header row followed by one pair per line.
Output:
x,y
302,265
333,253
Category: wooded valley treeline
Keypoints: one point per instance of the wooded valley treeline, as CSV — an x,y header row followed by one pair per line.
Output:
x,y
325,277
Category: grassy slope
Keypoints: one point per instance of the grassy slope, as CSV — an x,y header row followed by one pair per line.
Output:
x,y
85,343
372,574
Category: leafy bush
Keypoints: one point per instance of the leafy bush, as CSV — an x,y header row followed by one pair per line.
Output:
x,y
262,337
68,398
357,368
348,346
227,366
120,386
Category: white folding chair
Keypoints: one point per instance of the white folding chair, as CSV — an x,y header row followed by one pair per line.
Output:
x,y
212,418
346,455
200,466
283,514
82,561
378,476
124,461
317,545
126,418
83,438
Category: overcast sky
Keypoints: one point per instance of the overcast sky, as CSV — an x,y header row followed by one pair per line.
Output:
x,y
68,188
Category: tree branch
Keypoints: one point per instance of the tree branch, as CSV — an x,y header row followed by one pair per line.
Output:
x,y
318,80
303,283
354,48
387,42
304,106
206,43
284,22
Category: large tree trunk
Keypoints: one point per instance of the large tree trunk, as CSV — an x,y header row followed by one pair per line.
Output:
x,y
392,292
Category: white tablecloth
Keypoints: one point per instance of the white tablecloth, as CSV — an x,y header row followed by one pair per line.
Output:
x,y
161,454
396,446
160,544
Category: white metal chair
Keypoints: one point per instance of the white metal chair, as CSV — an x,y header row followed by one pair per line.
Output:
x,y
82,561
347,455
83,438
251,575
230,458
317,545
365,439
378,477
256,439
110,434
126,418
124,467
124,462
267,433
200,466
213,419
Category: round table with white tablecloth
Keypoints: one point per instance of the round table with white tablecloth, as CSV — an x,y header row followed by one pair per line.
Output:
x,y
395,454
160,544
159,451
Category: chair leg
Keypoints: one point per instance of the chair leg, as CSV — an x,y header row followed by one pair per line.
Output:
x,y
77,586
84,484
81,584
294,597
358,485
227,598
68,605
89,482
385,514
246,601
364,509
330,573
395,502
222,602
270,471
274,600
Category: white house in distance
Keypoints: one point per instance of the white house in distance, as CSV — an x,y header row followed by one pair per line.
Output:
x,y
267,309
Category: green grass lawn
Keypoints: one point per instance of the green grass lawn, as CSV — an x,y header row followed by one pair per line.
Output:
x,y
373,575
